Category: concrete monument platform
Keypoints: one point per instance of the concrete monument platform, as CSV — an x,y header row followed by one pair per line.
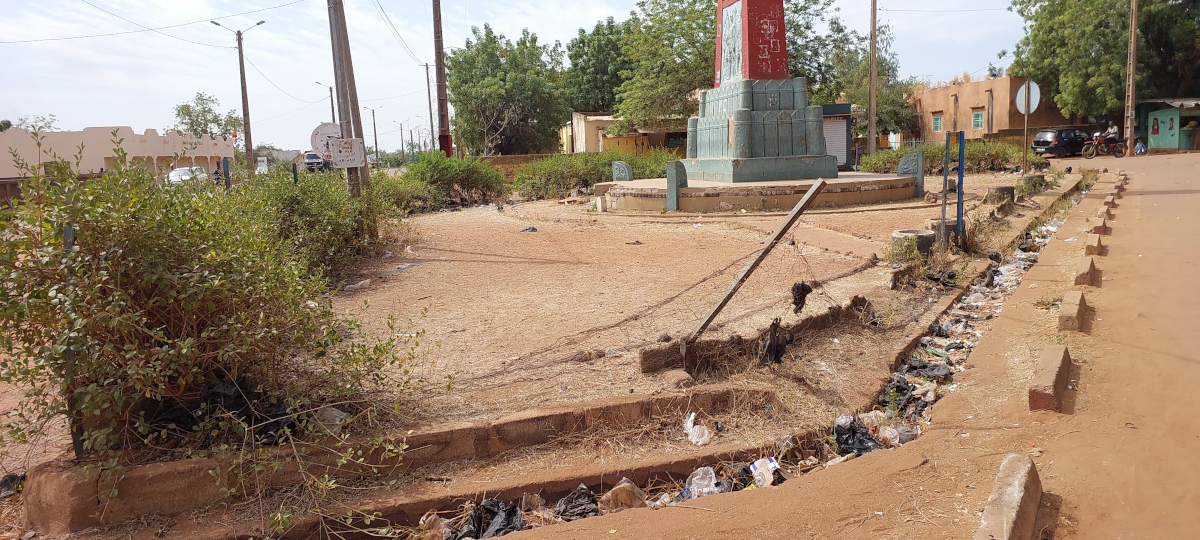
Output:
x,y
713,196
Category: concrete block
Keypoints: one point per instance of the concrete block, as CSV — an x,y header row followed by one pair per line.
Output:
x,y
1086,273
1050,379
1104,213
601,204
1094,246
1110,201
59,499
602,187
678,379
616,411
1121,172
1119,186
163,489
1072,311
447,442
1012,507
1099,226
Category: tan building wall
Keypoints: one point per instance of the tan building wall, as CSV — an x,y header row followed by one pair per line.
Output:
x,y
149,150
587,129
994,99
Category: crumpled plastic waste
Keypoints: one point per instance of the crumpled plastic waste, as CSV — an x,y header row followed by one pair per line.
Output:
x,y
908,434
491,519
890,436
800,295
975,298
698,435
578,504
774,344
701,483
764,471
622,496
897,394
662,501
10,484
928,370
738,476
995,256
872,420
942,329
432,527
853,437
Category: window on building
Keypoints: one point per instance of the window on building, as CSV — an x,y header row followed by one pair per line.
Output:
x,y
937,123
977,120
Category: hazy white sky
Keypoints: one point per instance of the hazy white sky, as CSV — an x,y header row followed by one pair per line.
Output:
x,y
135,79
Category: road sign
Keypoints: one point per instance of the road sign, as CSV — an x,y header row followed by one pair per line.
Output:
x,y
348,153
1035,97
322,136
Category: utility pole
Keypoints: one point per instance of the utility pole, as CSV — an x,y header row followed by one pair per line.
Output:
x,y
250,164
343,67
403,149
439,60
429,95
375,130
332,114
1131,79
872,134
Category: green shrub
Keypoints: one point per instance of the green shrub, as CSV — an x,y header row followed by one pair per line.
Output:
x,y
978,156
558,175
406,193
468,177
169,296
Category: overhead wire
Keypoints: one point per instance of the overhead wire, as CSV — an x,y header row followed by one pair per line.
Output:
x,y
387,21
153,30
944,10
422,91
285,92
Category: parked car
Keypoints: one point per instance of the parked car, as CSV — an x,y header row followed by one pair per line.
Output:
x,y
314,162
184,174
1059,142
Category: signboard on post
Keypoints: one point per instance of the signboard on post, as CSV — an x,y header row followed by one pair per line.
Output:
x,y
322,137
1028,98
348,153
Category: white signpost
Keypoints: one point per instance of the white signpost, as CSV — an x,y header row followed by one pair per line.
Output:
x,y
322,137
1028,98
348,153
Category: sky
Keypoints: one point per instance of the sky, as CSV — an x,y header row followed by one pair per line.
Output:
x,y
136,77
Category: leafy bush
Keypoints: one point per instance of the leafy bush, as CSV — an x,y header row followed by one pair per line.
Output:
x,y
406,193
558,175
451,177
181,317
978,156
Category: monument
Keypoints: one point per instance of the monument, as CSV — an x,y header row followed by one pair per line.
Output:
x,y
756,124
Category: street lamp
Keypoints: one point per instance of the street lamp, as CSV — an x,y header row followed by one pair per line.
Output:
x,y
376,131
245,98
331,113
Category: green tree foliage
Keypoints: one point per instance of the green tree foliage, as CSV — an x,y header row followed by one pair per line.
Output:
x,y
5,124
507,96
560,174
200,117
672,47
809,50
848,69
38,123
597,67
1076,49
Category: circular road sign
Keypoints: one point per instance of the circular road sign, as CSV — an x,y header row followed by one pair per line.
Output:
x,y
321,137
1035,97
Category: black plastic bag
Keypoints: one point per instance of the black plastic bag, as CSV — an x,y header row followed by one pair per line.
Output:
x,y
774,344
578,504
855,438
800,295
490,519
897,394
921,368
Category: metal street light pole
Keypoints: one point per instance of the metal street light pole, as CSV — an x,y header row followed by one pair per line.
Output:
x,y
250,162
375,130
332,114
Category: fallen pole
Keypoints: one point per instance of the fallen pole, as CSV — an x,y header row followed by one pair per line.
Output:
x,y
741,278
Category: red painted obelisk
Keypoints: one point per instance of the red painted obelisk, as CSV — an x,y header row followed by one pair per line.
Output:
x,y
751,41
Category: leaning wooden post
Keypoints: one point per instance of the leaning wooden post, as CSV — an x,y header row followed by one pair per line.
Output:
x,y
741,278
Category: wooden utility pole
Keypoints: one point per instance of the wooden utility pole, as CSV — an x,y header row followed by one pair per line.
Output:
x,y
1131,79
375,131
429,96
250,165
439,61
872,133
348,108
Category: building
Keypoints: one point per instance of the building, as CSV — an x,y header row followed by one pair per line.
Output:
x,y
585,133
149,150
839,132
980,109
1169,125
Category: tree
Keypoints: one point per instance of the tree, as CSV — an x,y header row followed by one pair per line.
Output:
x,y
268,150
597,64
38,123
811,54
1076,50
199,117
507,96
847,69
5,124
672,47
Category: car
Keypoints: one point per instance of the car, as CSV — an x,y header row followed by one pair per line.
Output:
x,y
314,162
184,174
262,169
1059,142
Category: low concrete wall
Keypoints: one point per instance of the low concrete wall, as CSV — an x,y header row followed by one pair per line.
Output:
x,y
752,197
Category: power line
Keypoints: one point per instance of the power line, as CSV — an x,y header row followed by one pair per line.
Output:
x,y
153,30
268,120
264,75
396,97
145,29
387,21
944,10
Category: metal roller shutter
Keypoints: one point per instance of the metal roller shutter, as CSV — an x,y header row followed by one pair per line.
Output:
x,y
836,143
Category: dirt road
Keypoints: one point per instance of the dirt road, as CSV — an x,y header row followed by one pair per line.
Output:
x,y
1120,463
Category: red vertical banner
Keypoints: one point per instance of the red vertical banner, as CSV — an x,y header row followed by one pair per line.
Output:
x,y
751,41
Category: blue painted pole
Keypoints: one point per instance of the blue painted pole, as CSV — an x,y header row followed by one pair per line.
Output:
x,y
225,170
961,145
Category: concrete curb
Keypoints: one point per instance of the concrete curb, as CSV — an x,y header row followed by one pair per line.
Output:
x,y
1012,507
1073,311
1099,226
1094,246
1050,379
1110,201
1104,213
1086,273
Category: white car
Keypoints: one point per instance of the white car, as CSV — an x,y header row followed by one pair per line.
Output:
x,y
183,174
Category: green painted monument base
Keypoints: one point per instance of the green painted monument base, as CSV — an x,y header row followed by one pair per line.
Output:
x,y
765,169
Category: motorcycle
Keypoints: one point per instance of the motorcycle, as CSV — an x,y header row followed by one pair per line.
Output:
x,y
1104,146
